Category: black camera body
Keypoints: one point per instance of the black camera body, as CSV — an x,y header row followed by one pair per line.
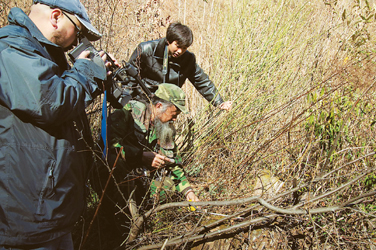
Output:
x,y
84,45
117,93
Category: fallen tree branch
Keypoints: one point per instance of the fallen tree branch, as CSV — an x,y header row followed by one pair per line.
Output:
x,y
261,201
212,234
137,225
245,224
337,189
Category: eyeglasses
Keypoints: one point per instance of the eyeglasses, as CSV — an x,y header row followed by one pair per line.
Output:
x,y
79,32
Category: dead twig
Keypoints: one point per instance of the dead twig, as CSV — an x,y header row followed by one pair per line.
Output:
x,y
100,201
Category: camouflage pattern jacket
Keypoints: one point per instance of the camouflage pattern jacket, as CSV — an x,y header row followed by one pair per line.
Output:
x,y
131,129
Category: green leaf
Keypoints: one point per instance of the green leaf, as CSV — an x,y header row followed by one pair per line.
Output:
x,y
367,4
311,119
322,91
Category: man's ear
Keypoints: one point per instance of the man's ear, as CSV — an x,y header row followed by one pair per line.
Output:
x,y
158,105
55,16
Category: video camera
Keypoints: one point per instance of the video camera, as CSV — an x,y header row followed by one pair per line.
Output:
x,y
117,94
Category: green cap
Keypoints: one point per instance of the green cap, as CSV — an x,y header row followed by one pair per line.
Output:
x,y
172,93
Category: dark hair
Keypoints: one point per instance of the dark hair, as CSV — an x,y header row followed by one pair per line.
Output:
x,y
180,33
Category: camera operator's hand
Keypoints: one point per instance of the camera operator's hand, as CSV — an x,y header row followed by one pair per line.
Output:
x,y
114,60
110,64
97,58
84,55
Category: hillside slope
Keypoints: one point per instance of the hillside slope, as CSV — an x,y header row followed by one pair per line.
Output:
x,y
292,165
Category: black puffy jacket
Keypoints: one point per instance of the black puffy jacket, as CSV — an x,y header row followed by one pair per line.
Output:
x,y
148,59
44,160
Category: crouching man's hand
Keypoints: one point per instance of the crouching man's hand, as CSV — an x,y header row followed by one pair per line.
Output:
x,y
156,160
191,196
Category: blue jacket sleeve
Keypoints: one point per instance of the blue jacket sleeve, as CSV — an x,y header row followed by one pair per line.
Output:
x,y
37,89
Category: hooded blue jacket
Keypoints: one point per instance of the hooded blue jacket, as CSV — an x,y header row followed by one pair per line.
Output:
x,y
44,133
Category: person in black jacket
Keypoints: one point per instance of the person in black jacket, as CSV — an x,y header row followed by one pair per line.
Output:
x,y
44,131
168,60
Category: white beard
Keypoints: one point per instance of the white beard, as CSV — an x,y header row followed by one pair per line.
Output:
x,y
165,133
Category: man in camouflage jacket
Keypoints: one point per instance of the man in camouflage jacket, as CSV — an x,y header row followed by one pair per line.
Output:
x,y
134,135
141,138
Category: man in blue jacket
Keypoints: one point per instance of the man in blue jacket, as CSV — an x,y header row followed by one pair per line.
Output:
x,y
44,132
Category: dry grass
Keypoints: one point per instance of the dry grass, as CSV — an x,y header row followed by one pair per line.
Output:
x,y
301,75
